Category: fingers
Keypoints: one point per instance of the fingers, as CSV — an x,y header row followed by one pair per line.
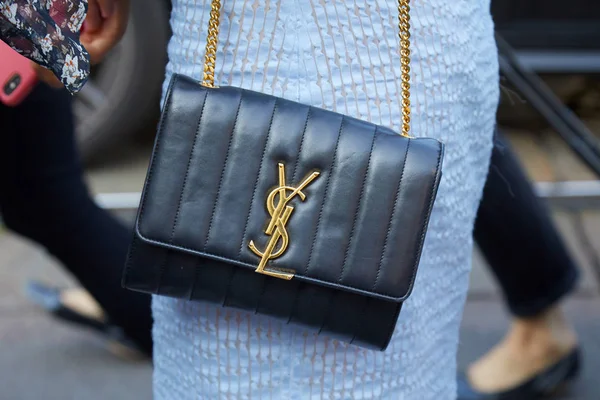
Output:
x,y
100,42
47,76
107,7
93,19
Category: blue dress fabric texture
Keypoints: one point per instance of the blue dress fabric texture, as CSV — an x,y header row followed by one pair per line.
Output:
x,y
47,32
343,55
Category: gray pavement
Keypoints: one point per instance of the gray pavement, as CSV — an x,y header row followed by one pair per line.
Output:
x,y
42,359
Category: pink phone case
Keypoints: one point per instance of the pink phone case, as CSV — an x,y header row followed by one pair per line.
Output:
x,y
17,76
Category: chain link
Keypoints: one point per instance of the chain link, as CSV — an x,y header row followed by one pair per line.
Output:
x,y
211,44
403,33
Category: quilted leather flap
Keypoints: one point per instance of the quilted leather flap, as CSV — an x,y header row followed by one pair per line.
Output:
x,y
267,183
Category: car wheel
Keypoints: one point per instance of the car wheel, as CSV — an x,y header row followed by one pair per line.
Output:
x,y
123,92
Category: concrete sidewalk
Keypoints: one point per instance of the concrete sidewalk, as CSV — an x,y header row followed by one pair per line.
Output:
x,y
43,359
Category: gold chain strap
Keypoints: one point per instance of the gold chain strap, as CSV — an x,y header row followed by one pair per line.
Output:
x,y
211,44
403,32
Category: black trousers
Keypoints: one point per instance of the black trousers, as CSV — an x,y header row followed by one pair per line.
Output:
x,y
517,236
43,197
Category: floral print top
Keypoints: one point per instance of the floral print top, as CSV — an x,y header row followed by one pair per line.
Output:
x,y
47,32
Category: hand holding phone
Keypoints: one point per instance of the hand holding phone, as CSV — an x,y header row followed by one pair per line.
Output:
x,y
17,76
105,24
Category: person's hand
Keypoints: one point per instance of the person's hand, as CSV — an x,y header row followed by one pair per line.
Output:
x,y
104,26
46,76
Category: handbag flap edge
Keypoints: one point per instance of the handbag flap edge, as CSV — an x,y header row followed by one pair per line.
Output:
x,y
148,238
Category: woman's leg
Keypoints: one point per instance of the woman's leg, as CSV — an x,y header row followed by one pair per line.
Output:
x,y
43,197
517,236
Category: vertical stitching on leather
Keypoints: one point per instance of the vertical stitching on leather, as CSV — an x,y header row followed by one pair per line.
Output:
x,y
130,252
295,302
293,178
426,220
217,197
361,316
161,270
228,288
334,294
163,117
187,171
389,229
391,326
194,282
260,296
360,197
258,175
334,158
167,107
301,144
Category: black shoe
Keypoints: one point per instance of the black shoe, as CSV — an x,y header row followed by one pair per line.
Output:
x,y
49,299
540,386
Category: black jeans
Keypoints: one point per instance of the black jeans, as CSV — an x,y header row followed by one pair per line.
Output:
x,y
517,236
43,197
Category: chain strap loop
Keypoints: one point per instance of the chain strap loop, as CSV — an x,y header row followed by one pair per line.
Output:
x,y
211,44
403,33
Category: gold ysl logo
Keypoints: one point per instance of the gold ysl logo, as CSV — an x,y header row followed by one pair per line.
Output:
x,y
280,211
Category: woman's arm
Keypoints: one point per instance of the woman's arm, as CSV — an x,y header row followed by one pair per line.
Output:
x,y
49,33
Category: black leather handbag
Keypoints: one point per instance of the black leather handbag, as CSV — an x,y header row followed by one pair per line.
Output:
x,y
264,204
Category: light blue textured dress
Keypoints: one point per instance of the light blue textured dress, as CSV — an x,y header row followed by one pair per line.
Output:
x,y
343,55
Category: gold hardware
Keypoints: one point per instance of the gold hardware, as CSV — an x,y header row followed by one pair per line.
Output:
x,y
280,213
403,34
211,44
